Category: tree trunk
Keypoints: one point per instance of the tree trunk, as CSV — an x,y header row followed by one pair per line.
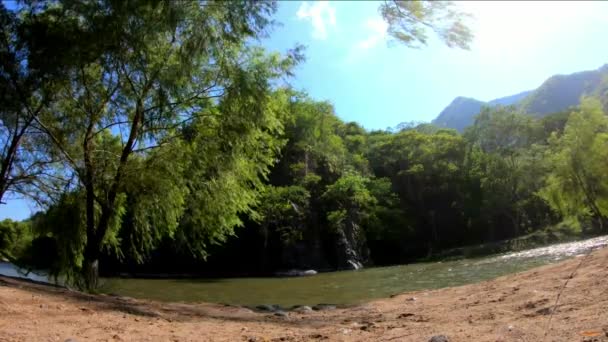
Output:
x,y
7,162
91,273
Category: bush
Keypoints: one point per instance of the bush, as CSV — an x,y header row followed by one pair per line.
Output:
x,y
15,236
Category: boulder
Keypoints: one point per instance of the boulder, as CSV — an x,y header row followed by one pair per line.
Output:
x,y
354,265
439,338
296,273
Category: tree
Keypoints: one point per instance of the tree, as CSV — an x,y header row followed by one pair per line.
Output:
x,y
14,237
27,82
408,22
350,203
577,187
504,160
142,73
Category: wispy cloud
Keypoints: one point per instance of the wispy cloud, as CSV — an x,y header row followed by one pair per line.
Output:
x,y
321,15
374,33
377,33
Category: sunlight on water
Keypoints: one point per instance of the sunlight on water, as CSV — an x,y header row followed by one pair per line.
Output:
x,y
10,270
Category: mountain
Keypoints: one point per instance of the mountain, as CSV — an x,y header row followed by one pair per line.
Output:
x,y
509,100
462,111
459,114
557,93
563,91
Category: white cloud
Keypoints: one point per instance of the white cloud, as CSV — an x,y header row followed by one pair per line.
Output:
x,y
375,32
321,14
377,29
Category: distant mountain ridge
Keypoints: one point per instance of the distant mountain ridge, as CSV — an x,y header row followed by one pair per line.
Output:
x,y
557,93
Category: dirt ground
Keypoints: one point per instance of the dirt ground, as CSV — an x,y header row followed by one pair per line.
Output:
x,y
517,307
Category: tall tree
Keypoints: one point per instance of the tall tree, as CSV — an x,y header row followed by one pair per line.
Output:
x,y
27,82
577,187
143,72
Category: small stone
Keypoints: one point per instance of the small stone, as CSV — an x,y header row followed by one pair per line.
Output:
x,y
412,299
265,307
405,315
302,309
320,307
439,338
281,314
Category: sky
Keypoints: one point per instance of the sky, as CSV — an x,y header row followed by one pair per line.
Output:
x,y
377,83
369,79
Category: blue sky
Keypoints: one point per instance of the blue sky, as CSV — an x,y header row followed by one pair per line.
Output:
x,y
517,46
351,63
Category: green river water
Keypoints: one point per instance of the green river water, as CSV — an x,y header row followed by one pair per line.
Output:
x,y
348,287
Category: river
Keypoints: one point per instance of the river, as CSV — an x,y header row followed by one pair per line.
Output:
x,y
347,287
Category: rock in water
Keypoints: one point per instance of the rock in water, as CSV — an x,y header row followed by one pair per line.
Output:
x,y
296,273
439,338
354,265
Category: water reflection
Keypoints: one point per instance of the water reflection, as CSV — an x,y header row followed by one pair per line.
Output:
x,y
349,287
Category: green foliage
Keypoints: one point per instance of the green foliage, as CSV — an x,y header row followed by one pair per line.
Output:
x,y
284,210
63,227
14,238
350,200
576,186
161,128
167,124
408,22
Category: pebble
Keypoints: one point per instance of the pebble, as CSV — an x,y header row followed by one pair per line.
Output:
x,y
320,307
302,309
439,338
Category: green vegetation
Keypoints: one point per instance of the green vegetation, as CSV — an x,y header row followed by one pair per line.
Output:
x,y
15,237
157,136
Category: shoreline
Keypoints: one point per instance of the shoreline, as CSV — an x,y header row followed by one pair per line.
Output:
x,y
515,307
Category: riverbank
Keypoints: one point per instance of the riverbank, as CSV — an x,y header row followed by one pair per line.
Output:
x,y
517,307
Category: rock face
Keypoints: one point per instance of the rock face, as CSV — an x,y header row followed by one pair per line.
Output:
x,y
352,251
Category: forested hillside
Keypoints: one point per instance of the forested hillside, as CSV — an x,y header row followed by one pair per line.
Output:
x,y
158,137
558,93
